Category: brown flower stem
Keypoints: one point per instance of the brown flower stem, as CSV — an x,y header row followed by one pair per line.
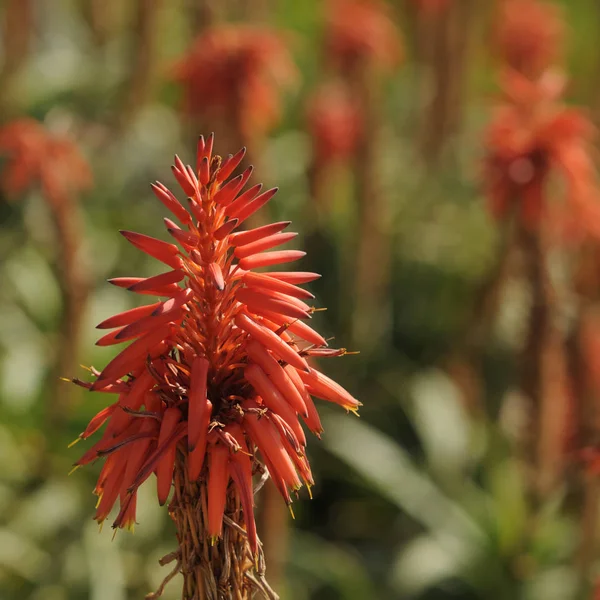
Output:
x,y
202,14
139,87
586,434
75,290
17,34
99,15
443,44
224,570
370,315
543,370
586,553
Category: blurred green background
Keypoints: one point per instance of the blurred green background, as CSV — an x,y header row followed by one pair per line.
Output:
x,y
421,498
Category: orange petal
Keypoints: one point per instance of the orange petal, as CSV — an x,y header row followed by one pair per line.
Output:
x,y
270,340
325,388
186,238
164,467
156,248
273,399
265,243
260,355
196,456
293,277
229,165
261,302
263,281
171,203
130,356
242,200
197,400
267,259
128,316
218,478
225,229
251,207
242,238
299,328
313,422
157,281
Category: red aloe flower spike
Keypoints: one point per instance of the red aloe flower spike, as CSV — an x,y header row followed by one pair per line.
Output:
x,y
211,381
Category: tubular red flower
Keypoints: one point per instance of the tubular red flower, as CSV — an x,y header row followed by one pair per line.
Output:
x,y
215,381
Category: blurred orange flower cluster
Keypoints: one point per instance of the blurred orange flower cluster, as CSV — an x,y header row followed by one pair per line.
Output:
x,y
359,32
36,155
235,72
534,135
334,123
359,35
530,36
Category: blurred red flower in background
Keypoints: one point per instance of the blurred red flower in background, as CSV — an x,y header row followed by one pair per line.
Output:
x,y
235,72
38,156
361,32
532,136
334,122
218,371
530,35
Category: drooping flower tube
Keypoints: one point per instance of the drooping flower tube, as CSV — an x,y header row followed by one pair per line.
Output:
x,y
217,379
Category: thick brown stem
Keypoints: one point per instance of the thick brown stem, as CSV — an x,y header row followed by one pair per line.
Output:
x,y
543,371
225,570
